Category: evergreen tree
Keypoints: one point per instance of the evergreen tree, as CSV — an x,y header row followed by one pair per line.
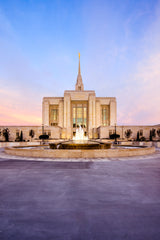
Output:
x,y
158,132
138,136
21,136
31,133
152,134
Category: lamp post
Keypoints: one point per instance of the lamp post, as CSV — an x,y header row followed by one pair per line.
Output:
x,y
42,129
43,142
122,132
115,135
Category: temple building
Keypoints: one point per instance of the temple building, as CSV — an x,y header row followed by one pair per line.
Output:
x,y
77,108
62,116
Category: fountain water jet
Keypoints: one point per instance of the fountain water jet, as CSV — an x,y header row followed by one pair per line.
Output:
x,y
81,142
79,135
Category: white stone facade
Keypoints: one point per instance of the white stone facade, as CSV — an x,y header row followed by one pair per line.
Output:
x,y
68,112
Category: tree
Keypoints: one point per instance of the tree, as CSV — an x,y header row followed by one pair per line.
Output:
x,y
138,136
5,133
21,137
152,134
128,133
158,132
31,133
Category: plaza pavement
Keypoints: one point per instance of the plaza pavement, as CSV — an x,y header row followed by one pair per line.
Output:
x,y
82,199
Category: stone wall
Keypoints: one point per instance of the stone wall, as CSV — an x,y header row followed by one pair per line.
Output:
x,y
104,132
58,132
54,131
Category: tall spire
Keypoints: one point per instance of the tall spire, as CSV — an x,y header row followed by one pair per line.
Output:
x,y
79,69
79,84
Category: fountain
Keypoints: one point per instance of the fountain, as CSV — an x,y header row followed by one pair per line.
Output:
x,y
79,147
80,142
80,135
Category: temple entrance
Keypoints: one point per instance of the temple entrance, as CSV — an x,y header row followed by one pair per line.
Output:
x,y
79,116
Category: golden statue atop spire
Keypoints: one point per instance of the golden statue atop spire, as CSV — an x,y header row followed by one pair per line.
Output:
x,y
79,84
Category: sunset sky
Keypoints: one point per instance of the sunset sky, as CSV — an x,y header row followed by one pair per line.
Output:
x,y
119,42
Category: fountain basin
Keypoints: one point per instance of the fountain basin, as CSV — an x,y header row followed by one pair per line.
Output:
x,y
80,145
45,152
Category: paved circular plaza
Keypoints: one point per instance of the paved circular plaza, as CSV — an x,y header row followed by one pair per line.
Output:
x,y
113,198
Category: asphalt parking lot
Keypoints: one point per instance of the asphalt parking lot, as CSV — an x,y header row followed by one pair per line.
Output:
x,y
101,200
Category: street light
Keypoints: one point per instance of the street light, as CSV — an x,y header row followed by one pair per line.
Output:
x,y
115,135
43,133
42,129
122,132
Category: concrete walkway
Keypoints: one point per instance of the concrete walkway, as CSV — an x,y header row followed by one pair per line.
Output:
x,y
84,200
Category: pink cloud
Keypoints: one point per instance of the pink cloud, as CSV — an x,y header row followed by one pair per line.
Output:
x,y
139,104
16,109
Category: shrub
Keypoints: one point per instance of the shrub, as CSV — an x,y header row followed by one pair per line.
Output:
x,y
44,136
114,136
128,133
31,133
6,134
142,139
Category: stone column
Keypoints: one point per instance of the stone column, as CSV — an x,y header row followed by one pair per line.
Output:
x,y
93,111
91,114
98,114
45,113
60,117
113,112
67,115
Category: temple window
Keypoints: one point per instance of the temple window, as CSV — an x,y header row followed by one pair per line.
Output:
x,y
105,115
53,115
79,115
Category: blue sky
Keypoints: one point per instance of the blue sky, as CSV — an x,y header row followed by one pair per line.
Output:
x,y
119,42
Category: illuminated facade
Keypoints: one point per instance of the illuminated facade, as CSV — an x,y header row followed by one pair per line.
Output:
x,y
79,108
